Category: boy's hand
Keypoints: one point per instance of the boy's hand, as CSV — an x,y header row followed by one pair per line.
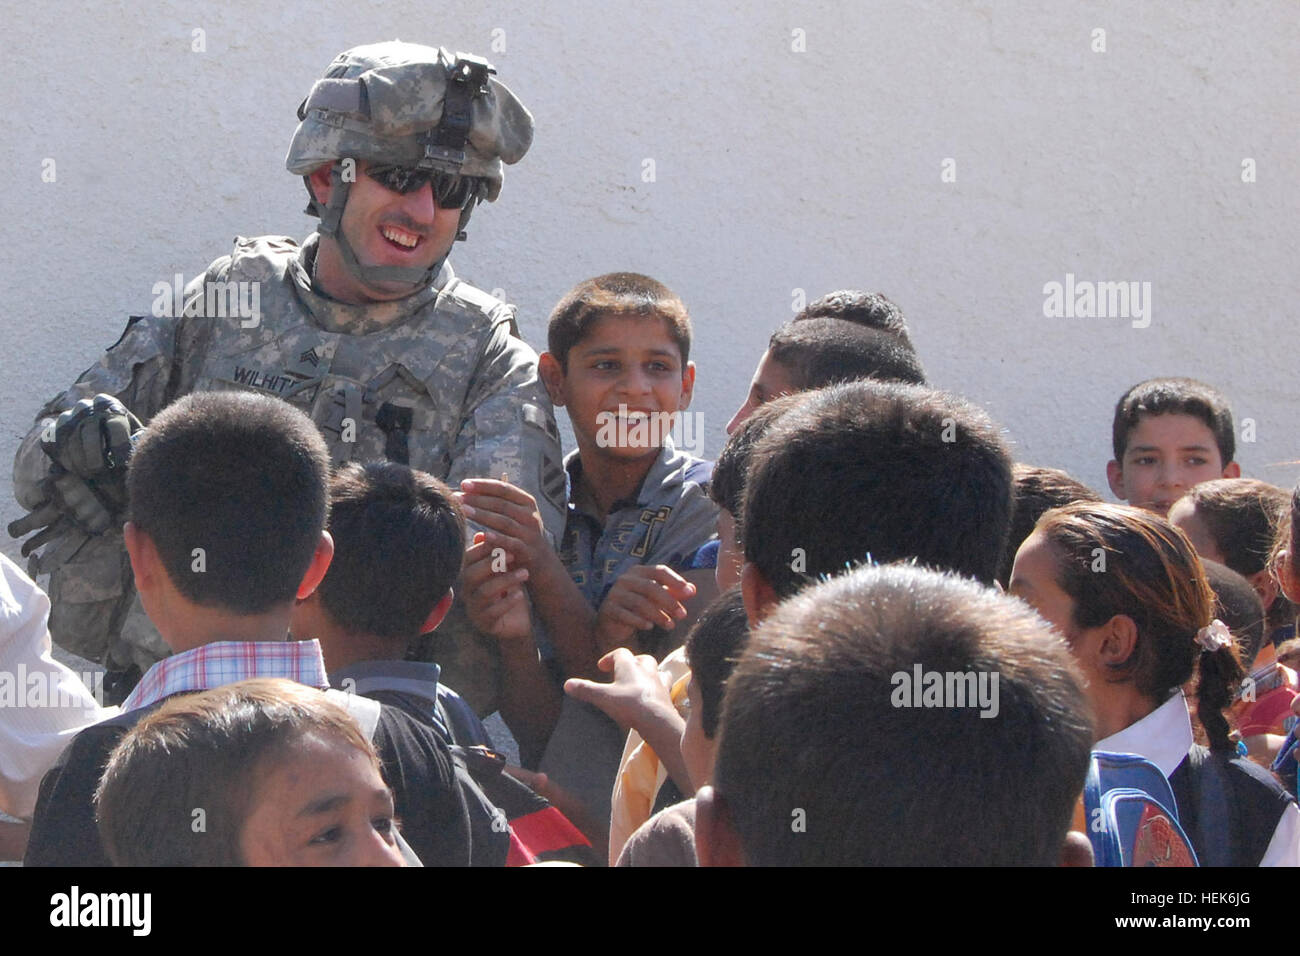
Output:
x,y
644,596
510,516
635,697
494,598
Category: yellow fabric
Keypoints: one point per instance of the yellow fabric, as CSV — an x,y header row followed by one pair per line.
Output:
x,y
640,772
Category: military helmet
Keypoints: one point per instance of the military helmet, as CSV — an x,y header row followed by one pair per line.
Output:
x,y
411,105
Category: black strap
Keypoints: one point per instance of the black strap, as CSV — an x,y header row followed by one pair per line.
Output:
x,y
395,422
1214,817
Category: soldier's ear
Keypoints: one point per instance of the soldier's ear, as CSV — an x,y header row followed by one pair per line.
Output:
x,y
321,186
552,375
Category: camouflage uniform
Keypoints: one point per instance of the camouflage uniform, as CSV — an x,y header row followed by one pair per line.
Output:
x,y
438,380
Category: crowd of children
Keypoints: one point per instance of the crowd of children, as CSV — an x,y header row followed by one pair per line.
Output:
x,y
865,636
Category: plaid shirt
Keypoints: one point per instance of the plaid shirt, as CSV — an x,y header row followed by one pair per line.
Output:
x,y
225,662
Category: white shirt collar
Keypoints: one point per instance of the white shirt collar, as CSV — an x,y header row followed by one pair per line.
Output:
x,y
1163,736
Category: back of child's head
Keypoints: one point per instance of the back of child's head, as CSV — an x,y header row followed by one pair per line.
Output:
x,y
1175,396
1237,605
231,487
399,541
1152,575
1037,490
818,352
712,647
877,470
817,727
870,309
1241,515
206,750
617,293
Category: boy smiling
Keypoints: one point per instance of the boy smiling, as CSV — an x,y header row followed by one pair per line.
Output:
x,y
618,360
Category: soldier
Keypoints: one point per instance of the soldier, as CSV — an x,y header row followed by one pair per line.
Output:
x,y
364,326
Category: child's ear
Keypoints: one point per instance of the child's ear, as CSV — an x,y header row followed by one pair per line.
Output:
x,y
1286,577
716,843
1115,477
758,595
1076,850
1233,470
1119,641
438,613
688,387
1265,585
320,563
552,375
144,556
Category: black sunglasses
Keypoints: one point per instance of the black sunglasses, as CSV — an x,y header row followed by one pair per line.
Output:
x,y
450,190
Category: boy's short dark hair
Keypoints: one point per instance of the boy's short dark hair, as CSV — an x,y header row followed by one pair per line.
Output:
x,y
1175,396
819,352
810,724
206,750
617,293
870,309
727,486
399,542
241,476
1037,490
712,647
879,470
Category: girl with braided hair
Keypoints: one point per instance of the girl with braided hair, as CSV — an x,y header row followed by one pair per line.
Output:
x,y
1127,591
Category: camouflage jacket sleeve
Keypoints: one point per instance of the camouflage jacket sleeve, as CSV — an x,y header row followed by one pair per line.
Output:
x,y
136,370
508,427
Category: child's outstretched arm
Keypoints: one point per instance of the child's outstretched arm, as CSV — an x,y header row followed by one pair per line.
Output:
x,y
636,699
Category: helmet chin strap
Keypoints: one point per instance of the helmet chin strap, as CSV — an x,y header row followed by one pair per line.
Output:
x,y
331,224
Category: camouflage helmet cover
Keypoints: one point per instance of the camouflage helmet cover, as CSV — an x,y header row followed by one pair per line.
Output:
x,y
383,102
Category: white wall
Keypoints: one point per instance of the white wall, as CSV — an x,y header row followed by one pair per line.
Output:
x,y
776,170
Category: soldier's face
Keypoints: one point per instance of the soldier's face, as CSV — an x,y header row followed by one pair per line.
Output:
x,y
384,228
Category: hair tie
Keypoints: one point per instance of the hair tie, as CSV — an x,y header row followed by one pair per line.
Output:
x,y
1215,636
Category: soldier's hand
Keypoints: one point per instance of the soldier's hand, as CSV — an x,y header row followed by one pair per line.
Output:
x,y
493,592
644,596
508,515
89,446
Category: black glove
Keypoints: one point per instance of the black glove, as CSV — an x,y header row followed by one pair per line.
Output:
x,y
89,446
